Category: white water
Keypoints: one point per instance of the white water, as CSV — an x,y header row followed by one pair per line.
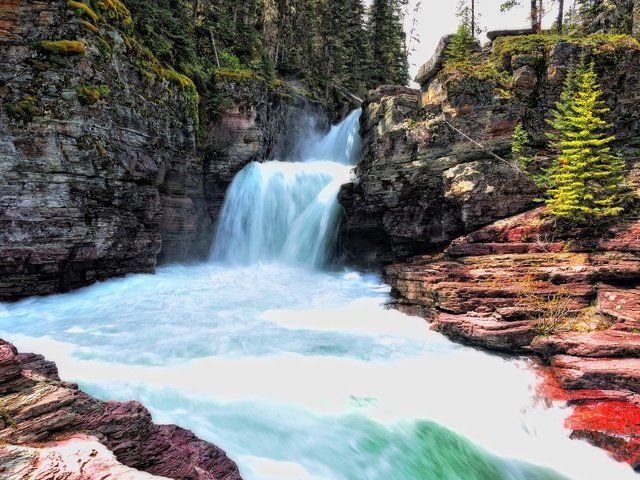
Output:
x,y
288,211
302,374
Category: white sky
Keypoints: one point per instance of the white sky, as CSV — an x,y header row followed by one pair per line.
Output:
x,y
438,18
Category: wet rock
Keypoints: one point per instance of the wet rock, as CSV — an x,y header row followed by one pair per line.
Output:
x,y
80,457
36,409
520,285
418,184
88,191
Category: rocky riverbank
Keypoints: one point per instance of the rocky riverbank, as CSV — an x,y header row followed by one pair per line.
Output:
x,y
569,298
455,224
49,429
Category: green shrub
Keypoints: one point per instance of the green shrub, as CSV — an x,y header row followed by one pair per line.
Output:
x,y
460,48
230,61
519,145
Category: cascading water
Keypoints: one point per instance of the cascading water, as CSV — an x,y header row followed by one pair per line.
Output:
x,y
298,373
288,211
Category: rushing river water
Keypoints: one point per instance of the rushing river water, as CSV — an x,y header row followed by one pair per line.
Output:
x,y
301,373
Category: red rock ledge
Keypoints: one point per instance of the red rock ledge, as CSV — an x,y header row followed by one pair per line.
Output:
x,y
49,429
498,287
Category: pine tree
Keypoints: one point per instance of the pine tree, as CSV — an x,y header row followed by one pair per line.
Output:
x,y
587,178
519,145
461,47
387,41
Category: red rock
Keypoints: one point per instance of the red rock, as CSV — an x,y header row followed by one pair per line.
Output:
x,y
622,304
609,343
37,407
620,417
625,238
486,332
9,365
491,288
598,373
80,457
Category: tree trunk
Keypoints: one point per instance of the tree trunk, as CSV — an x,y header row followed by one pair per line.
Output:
x,y
473,18
215,50
535,25
560,15
540,14
196,7
636,18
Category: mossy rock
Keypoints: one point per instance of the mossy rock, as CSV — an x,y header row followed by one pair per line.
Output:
x,y
25,110
83,10
89,95
90,26
61,47
116,13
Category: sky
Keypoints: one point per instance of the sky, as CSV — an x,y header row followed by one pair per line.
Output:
x,y
438,18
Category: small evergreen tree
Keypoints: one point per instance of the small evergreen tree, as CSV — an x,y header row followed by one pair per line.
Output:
x,y
520,142
587,178
460,48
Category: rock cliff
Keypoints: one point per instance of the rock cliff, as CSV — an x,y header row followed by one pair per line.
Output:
x,y
570,298
78,437
482,273
101,173
421,182
98,165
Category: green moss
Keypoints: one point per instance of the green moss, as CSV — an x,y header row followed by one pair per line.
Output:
x,y
101,149
104,47
494,67
241,75
61,47
543,42
177,78
188,90
25,109
90,95
83,10
116,13
90,26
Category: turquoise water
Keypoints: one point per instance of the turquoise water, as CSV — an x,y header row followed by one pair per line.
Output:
x,y
301,374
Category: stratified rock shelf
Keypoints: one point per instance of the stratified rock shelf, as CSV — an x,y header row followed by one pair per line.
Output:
x,y
51,430
516,287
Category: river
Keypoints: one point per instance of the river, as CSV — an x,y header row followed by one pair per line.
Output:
x,y
292,364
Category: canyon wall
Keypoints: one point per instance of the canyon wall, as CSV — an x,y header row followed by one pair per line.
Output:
x,y
105,168
484,274
421,181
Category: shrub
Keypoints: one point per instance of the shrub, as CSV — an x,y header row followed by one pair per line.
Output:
x,y
519,145
230,61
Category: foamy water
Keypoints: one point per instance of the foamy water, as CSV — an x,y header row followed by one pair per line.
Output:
x,y
304,375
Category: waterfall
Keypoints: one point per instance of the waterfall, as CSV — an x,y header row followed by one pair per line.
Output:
x,y
288,211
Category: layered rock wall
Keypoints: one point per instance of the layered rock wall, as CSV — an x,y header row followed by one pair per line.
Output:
x,y
423,180
101,173
98,165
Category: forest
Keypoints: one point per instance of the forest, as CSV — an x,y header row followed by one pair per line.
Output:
x,y
334,46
